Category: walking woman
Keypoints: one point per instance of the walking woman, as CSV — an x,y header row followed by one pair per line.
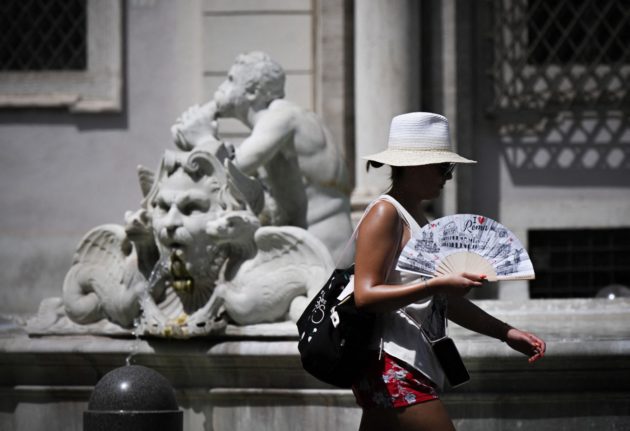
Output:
x,y
398,388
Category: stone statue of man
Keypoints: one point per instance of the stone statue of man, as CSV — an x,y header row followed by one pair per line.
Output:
x,y
288,145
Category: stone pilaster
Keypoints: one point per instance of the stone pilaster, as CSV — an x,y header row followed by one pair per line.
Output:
x,y
387,80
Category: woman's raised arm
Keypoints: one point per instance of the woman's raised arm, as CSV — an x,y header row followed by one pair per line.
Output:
x,y
379,242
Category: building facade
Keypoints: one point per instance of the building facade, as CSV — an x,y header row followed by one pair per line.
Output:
x,y
535,91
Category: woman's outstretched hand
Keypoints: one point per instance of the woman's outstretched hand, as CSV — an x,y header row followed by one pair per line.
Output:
x,y
526,343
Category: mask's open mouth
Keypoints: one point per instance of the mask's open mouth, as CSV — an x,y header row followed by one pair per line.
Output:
x,y
182,280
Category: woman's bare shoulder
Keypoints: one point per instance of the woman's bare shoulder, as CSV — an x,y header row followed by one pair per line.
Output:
x,y
382,216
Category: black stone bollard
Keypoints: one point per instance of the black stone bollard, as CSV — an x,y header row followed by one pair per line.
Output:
x,y
133,398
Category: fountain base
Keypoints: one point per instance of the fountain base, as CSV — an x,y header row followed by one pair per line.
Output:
x,y
253,376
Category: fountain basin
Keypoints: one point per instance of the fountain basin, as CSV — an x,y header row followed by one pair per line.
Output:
x,y
253,375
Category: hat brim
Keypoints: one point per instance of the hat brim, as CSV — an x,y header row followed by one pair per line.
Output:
x,y
401,157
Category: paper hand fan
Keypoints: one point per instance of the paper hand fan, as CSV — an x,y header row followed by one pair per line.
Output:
x,y
466,243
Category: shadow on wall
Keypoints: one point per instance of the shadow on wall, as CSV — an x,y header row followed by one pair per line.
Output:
x,y
574,149
54,117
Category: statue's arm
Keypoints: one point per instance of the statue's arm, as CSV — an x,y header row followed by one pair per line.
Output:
x,y
195,126
270,134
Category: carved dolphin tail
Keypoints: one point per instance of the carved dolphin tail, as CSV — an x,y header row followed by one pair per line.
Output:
x,y
95,287
298,252
80,300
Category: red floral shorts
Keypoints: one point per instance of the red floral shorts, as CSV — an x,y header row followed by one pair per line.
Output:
x,y
390,383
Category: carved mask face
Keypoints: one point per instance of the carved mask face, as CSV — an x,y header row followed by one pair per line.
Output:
x,y
181,210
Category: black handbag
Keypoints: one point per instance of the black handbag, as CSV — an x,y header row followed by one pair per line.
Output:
x,y
334,334
443,347
450,360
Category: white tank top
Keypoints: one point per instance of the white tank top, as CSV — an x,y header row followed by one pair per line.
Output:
x,y
399,332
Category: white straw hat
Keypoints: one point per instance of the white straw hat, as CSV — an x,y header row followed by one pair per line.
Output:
x,y
418,138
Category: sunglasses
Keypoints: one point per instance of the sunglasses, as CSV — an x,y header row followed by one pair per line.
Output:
x,y
446,168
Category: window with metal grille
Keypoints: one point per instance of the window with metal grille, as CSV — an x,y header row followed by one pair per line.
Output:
x,y
578,263
577,31
61,54
565,54
559,92
42,35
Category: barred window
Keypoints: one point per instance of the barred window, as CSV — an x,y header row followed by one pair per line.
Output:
x,y
43,35
563,54
579,263
578,31
61,53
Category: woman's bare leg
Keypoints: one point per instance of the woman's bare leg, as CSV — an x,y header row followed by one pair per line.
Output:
x,y
430,415
427,416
